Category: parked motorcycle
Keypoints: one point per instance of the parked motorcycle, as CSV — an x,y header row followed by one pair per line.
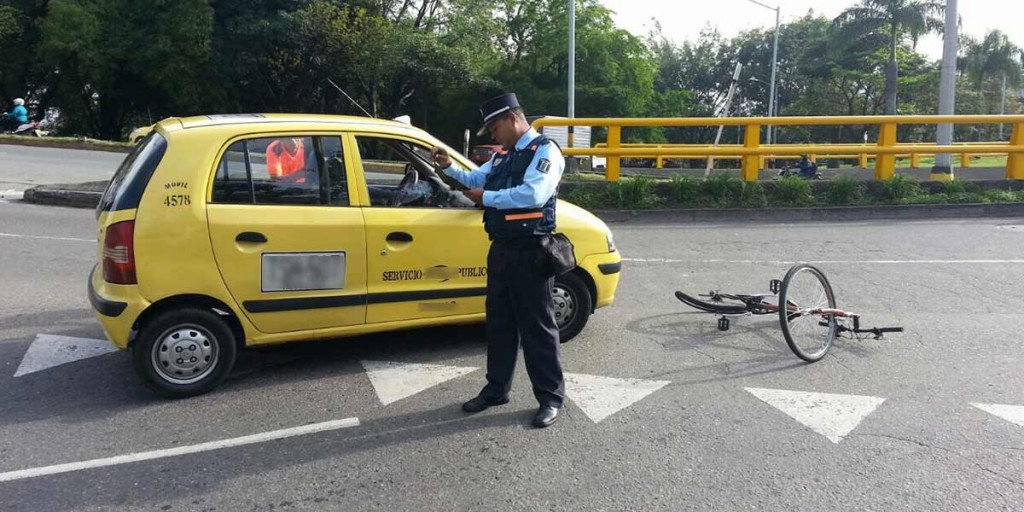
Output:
x,y
27,129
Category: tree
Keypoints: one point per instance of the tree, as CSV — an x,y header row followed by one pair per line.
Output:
x,y
896,20
114,58
995,60
21,73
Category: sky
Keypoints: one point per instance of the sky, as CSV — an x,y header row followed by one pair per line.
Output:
x,y
683,20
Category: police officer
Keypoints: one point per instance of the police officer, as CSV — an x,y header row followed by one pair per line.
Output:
x,y
518,192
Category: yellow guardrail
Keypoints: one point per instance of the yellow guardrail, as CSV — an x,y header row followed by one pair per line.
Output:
x,y
861,158
752,152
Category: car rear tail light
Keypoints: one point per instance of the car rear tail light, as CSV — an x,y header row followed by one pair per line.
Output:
x,y
119,253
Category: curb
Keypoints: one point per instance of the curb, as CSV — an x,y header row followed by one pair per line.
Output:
x,y
83,144
59,195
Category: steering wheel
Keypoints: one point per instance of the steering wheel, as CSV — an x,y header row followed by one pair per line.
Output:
x,y
409,181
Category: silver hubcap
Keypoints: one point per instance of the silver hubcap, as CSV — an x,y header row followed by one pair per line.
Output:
x,y
565,306
185,354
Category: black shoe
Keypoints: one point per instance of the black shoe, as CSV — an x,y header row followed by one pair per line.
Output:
x,y
479,403
545,416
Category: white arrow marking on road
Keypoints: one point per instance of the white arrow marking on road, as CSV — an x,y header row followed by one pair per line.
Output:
x,y
394,381
832,416
49,350
600,397
1011,413
181,450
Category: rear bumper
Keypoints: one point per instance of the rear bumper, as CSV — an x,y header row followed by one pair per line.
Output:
x,y
605,270
105,307
117,307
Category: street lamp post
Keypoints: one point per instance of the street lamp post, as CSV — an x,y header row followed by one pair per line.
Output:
x,y
570,135
943,168
775,63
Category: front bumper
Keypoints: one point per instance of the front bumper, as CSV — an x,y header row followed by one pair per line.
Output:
x,y
604,269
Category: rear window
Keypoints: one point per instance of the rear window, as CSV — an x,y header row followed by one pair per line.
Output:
x,y
129,182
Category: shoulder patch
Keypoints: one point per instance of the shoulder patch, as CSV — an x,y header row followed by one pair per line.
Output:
x,y
544,165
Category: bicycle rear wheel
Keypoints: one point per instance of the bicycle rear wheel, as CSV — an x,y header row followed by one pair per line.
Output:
x,y
805,289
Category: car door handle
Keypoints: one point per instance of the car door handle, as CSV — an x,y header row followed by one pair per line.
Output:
x,y
399,236
251,237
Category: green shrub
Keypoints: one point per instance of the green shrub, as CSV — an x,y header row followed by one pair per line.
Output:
x,y
683,190
630,193
793,191
924,199
1001,196
954,187
638,192
900,187
584,197
844,190
962,197
753,195
721,190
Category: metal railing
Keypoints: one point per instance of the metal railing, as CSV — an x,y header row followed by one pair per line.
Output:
x,y
862,159
752,153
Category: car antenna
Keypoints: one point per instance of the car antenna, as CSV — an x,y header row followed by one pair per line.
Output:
x,y
349,97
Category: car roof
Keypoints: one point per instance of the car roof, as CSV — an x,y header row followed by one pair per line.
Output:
x,y
226,120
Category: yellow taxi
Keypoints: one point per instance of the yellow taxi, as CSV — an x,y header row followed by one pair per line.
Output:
x,y
226,231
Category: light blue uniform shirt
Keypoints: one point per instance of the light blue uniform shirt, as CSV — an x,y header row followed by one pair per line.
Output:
x,y
537,187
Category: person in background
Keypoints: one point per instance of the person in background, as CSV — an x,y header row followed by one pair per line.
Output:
x,y
17,116
286,157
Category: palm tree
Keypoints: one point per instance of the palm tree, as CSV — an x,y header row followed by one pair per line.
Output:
x,y
895,20
996,55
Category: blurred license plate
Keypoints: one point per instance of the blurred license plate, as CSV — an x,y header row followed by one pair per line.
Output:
x,y
303,271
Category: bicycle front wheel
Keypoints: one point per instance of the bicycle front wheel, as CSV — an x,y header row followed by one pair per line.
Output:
x,y
803,291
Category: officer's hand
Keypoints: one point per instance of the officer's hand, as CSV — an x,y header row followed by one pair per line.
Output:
x,y
475,194
440,157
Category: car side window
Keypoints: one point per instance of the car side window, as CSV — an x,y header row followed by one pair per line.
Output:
x,y
285,170
231,185
398,173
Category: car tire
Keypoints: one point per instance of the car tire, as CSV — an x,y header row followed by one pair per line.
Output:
x,y
184,352
573,304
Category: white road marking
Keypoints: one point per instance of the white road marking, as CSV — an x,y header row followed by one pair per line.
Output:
x,y
824,262
49,350
833,416
394,381
1011,413
39,237
11,194
601,397
180,450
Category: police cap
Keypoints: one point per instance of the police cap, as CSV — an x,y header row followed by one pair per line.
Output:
x,y
495,107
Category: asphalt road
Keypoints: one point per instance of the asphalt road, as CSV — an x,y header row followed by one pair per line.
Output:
x,y
22,167
710,437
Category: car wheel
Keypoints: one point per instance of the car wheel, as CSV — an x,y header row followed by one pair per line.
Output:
x,y
573,305
184,352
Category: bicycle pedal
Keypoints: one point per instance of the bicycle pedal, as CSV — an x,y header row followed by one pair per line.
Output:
x,y
774,286
723,324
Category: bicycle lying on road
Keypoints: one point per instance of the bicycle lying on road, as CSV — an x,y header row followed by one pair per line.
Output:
x,y
810,321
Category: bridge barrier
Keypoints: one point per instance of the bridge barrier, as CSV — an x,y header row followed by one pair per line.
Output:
x,y
752,153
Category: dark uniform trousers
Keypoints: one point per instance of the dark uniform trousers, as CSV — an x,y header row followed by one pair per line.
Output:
x,y
521,311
